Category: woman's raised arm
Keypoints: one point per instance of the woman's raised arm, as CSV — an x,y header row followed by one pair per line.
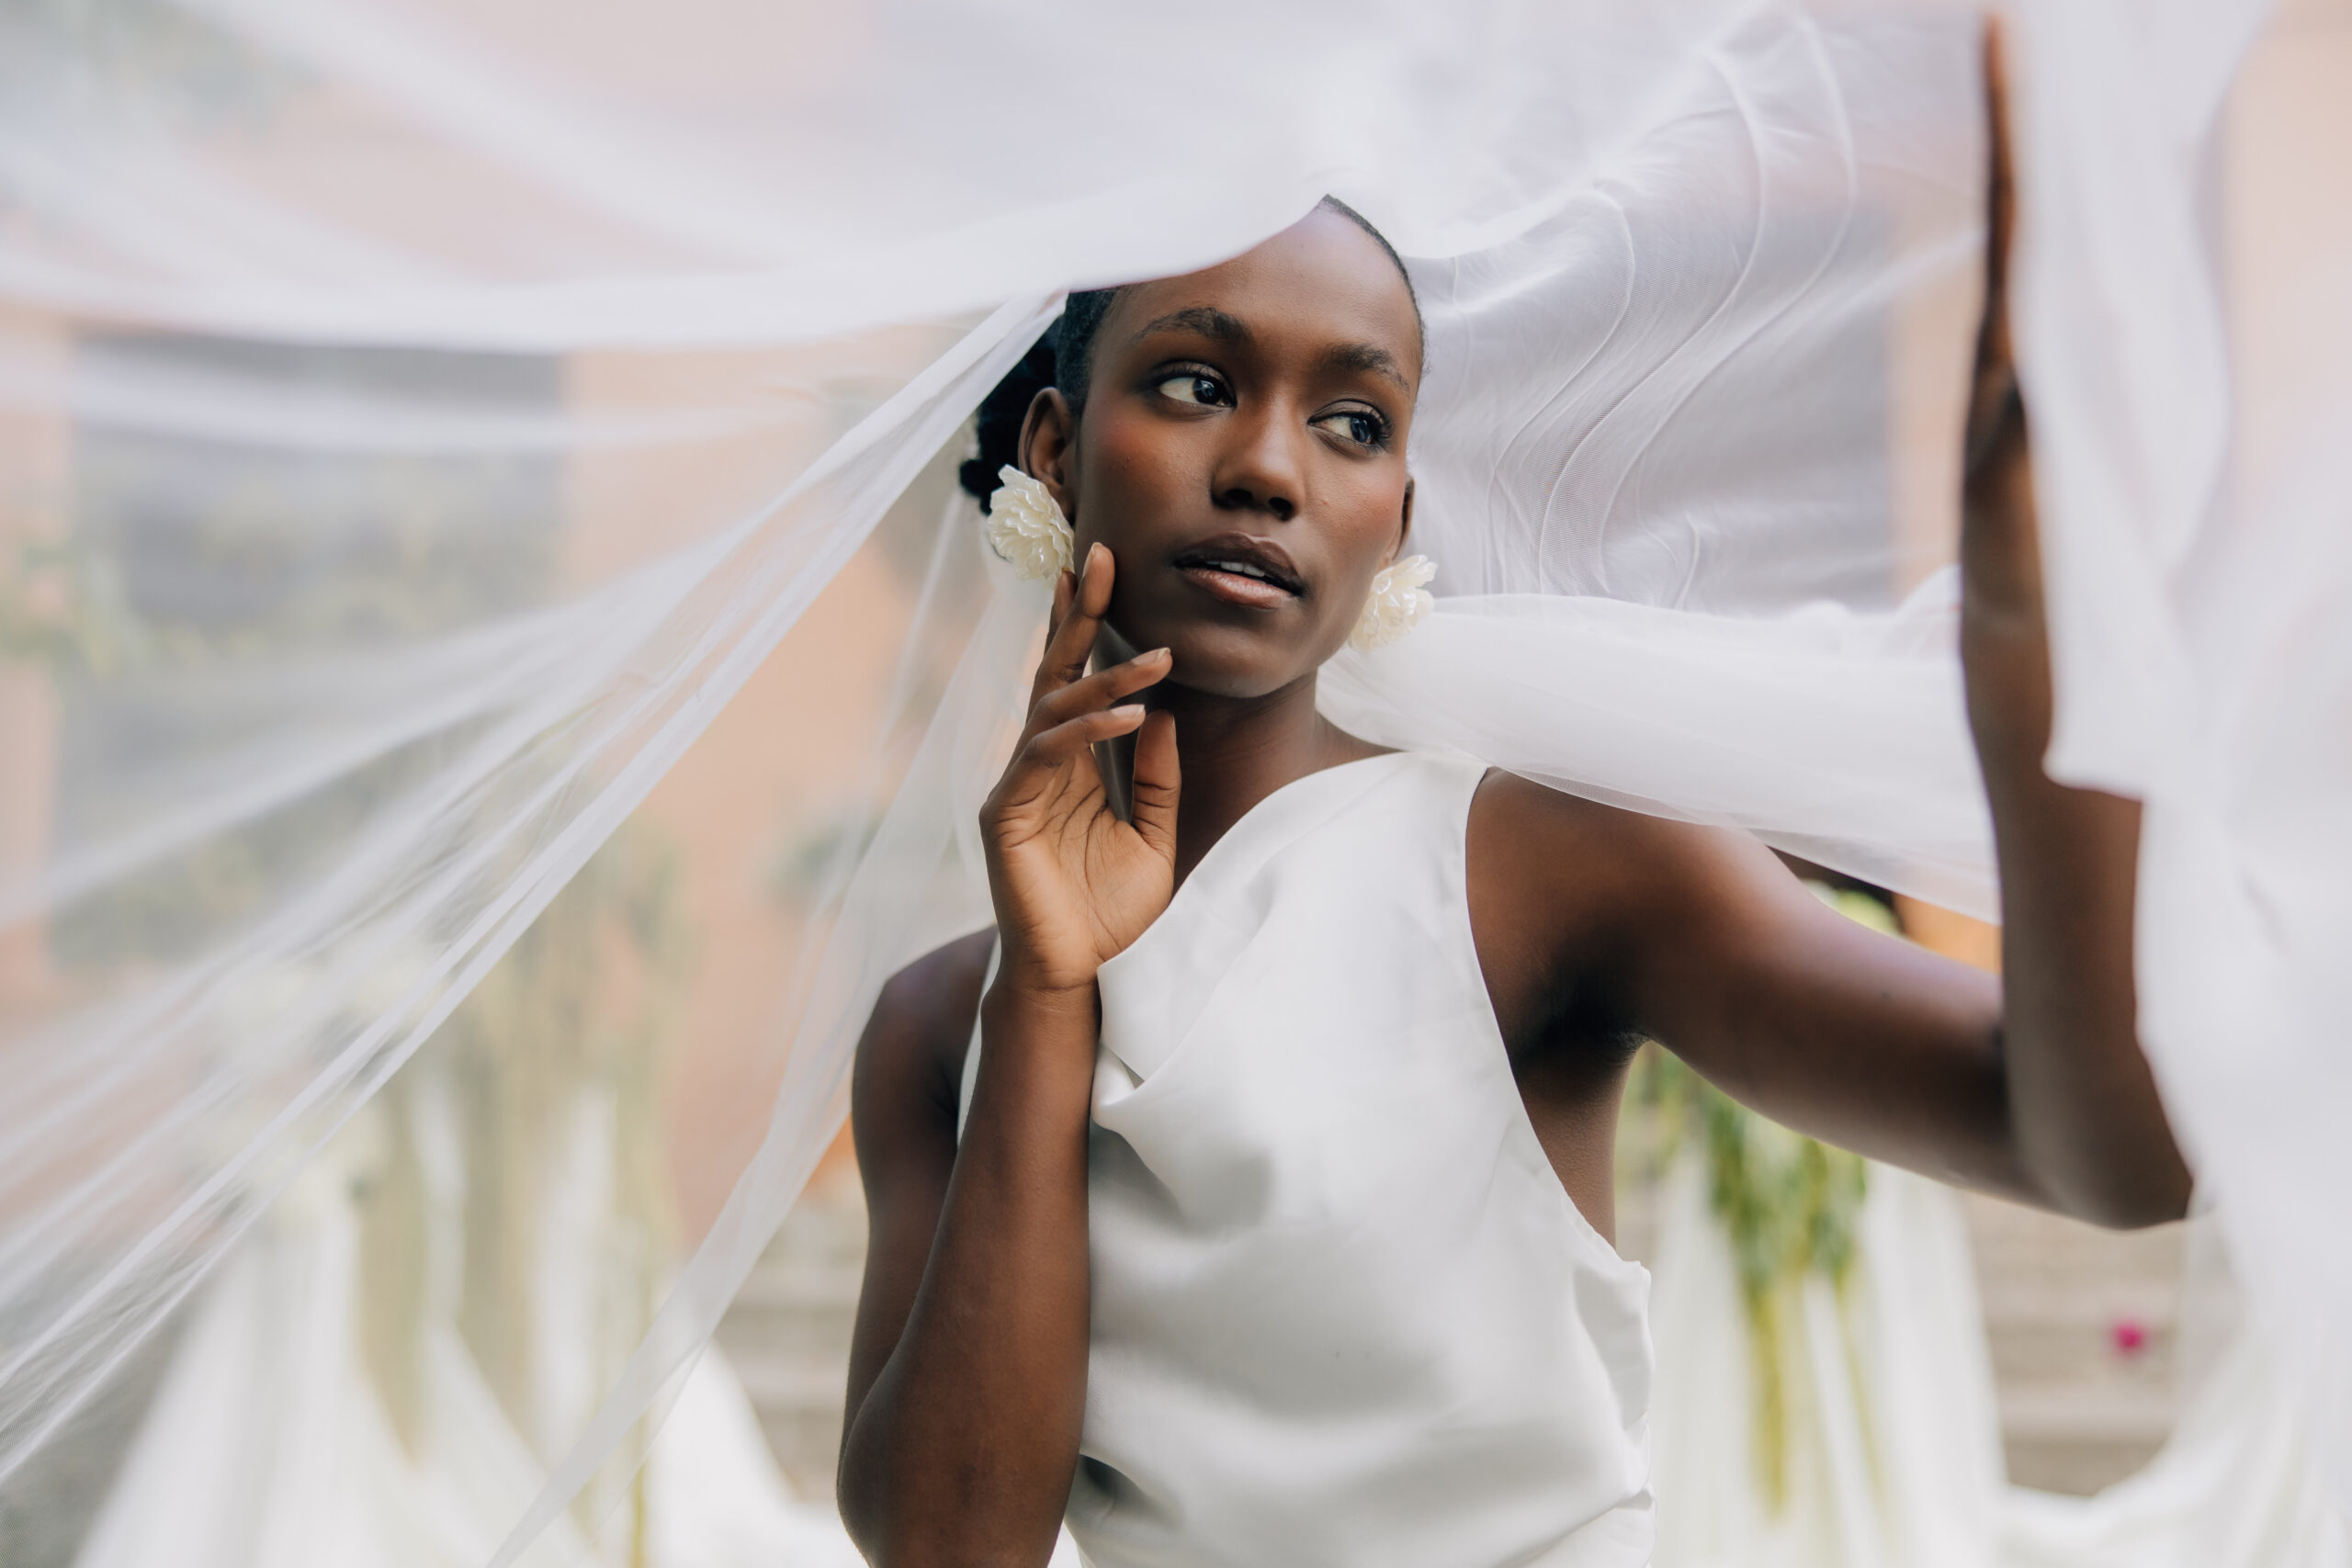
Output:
x,y
2081,1099
2034,1086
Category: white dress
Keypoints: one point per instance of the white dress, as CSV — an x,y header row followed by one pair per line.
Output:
x,y
1344,1312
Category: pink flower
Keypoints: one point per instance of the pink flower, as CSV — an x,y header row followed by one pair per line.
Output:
x,y
2131,1336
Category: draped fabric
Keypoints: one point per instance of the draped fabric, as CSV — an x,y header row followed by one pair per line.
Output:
x,y
1892,1444
420,420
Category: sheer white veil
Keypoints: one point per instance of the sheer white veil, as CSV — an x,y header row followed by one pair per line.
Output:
x,y
419,421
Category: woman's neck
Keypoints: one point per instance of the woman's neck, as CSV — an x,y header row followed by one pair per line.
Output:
x,y
1233,752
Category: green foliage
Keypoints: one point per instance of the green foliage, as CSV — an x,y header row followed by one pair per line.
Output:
x,y
61,605
192,572
162,63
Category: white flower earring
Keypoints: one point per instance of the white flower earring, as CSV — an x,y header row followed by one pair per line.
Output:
x,y
1025,526
1397,604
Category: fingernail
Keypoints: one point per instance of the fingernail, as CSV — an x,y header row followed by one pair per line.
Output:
x,y
1127,710
1159,653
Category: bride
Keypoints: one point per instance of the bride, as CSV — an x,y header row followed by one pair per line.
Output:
x,y
1242,1195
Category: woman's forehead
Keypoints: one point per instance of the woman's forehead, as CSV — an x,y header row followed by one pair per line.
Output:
x,y
1322,283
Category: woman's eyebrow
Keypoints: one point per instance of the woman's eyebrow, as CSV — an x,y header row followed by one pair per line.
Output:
x,y
1205,320
1222,327
1366,356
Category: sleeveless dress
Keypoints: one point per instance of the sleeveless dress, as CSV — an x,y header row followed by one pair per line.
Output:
x,y
1344,1313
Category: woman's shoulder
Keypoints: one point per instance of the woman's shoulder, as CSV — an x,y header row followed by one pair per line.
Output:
x,y
1543,824
1590,875
913,1051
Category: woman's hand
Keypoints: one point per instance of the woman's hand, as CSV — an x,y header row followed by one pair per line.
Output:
x,y
2000,547
1073,884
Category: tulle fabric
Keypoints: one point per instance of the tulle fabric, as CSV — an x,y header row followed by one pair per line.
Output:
x,y
421,420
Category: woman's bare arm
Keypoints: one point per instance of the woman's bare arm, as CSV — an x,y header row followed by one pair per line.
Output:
x,y
2034,1086
967,1385
967,1371
1591,919
2083,1101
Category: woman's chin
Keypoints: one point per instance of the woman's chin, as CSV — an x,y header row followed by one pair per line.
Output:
x,y
1219,655
1236,668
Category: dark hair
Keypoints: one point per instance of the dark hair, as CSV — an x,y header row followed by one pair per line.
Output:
x,y
1064,357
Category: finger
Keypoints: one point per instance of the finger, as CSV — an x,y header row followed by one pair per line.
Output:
x,y
1072,738
1102,689
1156,782
1073,637
1995,410
1053,664
2000,188
1093,593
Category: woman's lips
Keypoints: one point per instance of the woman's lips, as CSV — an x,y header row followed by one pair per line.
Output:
x,y
1241,568
1236,589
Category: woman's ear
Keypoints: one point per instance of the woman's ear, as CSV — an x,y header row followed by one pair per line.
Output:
x,y
1049,448
1403,523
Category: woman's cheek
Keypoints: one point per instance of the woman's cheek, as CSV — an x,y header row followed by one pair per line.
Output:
x,y
1376,514
1136,475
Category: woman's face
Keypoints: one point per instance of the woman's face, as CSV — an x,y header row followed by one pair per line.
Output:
x,y
1242,453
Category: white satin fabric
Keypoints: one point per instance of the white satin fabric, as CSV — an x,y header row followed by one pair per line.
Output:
x,y
1344,1312
268,1443
2238,1484
1893,1442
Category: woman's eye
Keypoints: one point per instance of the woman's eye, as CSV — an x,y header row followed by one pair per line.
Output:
x,y
1356,426
1189,387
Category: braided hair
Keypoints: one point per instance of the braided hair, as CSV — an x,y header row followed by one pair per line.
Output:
x,y
1064,357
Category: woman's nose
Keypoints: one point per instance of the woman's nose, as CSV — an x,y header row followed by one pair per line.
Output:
x,y
1260,469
